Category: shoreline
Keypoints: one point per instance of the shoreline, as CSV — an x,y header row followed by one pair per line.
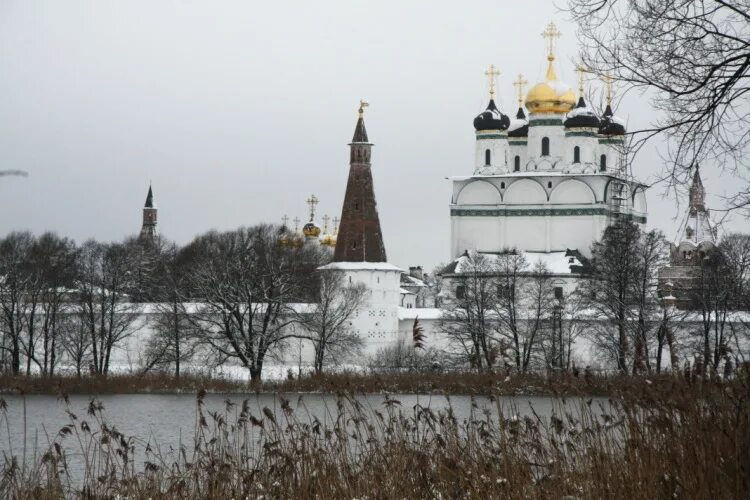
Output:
x,y
447,383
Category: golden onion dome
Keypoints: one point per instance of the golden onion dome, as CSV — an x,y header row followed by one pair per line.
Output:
x,y
552,95
310,230
328,240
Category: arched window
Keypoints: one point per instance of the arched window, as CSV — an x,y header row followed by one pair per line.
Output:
x,y
545,146
517,163
487,157
603,163
576,155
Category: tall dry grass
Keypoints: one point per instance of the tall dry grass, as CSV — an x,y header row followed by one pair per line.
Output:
x,y
690,442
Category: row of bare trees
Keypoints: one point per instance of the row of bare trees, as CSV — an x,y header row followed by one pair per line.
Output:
x,y
506,311
238,296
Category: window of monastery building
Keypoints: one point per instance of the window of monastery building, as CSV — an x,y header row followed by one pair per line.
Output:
x,y
517,164
487,157
460,292
603,163
558,293
576,155
545,146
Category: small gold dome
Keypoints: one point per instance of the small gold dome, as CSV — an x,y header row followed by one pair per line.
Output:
x,y
550,96
328,240
310,230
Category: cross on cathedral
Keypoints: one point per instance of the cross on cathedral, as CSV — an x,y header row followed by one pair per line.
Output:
x,y
296,224
312,201
608,84
520,85
336,225
325,223
582,70
492,74
285,220
551,33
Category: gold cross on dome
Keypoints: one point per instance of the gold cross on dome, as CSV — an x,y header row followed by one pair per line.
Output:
x,y
296,224
362,105
520,85
312,201
551,33
608,84
492,73
285,220
325,223
336,221
582,70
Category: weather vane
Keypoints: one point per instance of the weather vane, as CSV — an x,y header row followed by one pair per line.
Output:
x,y
312,201
520,84
492,73
551,33
362,105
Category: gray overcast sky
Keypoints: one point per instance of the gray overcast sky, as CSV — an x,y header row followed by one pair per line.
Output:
x,y
238,111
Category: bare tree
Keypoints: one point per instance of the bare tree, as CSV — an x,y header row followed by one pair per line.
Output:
x,y
327,321
105,308
651,253
56,267
469,318
15,279
693,58
75,340
172,342
524,302
245,282
607,292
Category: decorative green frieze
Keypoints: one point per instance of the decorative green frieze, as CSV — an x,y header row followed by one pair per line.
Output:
x,y
538,212
612,140
518,142
581,133
545,121
491,136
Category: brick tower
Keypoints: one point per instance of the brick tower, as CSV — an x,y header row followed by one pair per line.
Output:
x,y
360,252
148,229
360,238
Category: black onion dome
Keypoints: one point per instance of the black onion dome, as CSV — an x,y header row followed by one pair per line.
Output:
x,y
491,119
610,124
523,130
581,117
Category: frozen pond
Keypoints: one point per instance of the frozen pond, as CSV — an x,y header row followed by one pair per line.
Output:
x,y
167,421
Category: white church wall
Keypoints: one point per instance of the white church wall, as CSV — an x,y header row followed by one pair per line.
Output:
x,y
480,233
525,192
572,192
528,233
479,192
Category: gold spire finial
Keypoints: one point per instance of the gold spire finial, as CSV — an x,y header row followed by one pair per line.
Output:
x,y
582,70
285,220
325,223
296,224
520,85
362,105
608,84
336,221
551,33
491,74
312,201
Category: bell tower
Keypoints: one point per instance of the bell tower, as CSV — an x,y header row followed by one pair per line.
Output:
x,y
148,229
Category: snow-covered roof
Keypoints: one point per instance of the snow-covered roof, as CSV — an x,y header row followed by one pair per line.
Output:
x,y
426,313
560,262
408,280
361,266
405,292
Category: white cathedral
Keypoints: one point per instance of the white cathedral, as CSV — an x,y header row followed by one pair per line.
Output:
x,y
546,184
